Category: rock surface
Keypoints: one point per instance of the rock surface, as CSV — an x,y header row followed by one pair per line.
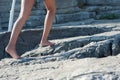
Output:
x,y
67,11
88,50
81,69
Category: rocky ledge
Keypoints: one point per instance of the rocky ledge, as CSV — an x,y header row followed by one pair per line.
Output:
x,y
81,52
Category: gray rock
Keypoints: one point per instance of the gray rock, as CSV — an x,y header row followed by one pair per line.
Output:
x,y
82,69
66,4
75,16
105,2
67,11
76,49
81,3
81,36
77,55
70,10
104,48
116,46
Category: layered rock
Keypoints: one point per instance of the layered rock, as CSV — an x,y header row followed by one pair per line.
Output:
x,y
81,52
67,11
95,37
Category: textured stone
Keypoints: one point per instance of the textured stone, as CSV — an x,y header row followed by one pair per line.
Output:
x,y
67,11
83,34
75,17
78,48
103,2
116,46
81,45
66,3
83,69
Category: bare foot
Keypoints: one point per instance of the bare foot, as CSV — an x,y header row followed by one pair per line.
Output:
x,y
43,44
12,53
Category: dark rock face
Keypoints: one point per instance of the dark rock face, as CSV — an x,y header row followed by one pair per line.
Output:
x,y
116,46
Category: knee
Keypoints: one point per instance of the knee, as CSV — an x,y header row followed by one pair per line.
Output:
x,y
51,10
23,17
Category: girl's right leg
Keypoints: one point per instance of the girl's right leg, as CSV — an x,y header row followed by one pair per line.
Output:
x,y
51,10
26,6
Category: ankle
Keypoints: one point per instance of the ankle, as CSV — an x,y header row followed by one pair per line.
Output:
x,y
9,48
42,42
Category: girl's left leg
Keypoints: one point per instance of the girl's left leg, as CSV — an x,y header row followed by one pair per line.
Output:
x,y
26,7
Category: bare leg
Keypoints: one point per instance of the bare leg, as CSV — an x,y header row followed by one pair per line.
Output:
x,y
51,9
26,7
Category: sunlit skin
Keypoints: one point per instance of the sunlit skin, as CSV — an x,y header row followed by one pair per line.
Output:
x,y
26,7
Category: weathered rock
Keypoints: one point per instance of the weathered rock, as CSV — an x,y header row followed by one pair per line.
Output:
x,y
77,55
76,16
82,69
81,36
78,48
104,2
116,46
66,4
27,42
38,12
75,10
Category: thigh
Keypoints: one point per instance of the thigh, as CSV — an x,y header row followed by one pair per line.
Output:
x,y
26,6
50,4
